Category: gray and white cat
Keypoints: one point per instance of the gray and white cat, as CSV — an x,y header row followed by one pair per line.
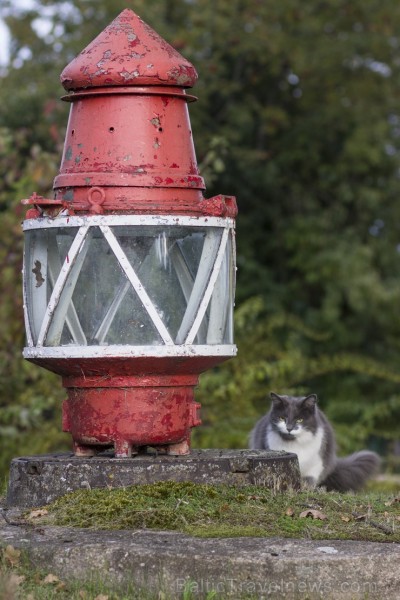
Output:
x,y
296,424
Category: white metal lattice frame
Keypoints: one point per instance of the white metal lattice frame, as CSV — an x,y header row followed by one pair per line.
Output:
x,y
136,284
74,260
71,268
113,351
115,220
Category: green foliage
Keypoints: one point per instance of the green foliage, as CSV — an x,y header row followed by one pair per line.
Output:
x,y
29,397
298,117
276,351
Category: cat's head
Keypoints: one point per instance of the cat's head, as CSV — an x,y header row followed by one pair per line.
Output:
x,y
291,415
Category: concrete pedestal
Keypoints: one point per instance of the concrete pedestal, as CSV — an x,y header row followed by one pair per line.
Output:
x,y
38,480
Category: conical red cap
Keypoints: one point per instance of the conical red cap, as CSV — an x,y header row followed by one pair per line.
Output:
x,y
128,52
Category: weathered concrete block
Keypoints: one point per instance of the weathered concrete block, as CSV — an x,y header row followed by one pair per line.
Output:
x,y
233,567
38,480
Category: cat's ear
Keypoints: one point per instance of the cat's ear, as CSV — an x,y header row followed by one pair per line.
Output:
x,y
310,401
275,398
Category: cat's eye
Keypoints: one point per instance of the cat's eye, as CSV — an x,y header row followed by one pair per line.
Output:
x,y
282,419
299,420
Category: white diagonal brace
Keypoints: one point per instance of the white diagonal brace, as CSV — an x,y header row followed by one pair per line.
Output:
x,y
71,263
137,285
71,318
185,278
209,290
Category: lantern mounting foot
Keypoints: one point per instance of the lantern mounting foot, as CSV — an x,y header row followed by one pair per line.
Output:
x,y
82,450
124,449
179,449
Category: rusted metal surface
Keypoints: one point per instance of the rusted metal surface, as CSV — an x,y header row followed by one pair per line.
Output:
x,y
130,417
129,131
41,206
130,411
139,155
128,161
128,51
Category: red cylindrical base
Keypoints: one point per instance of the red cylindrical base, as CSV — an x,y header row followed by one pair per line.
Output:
x,y
128,417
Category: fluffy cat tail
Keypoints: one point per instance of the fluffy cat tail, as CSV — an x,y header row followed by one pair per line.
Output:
x,y
351,472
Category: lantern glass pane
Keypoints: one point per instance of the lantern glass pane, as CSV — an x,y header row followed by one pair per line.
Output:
x,y
45,252
108,309
129,285
217,324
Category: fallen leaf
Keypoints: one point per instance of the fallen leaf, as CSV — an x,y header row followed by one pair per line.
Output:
x,y
345,518
40,512
12,555
50,578
315,514
289,512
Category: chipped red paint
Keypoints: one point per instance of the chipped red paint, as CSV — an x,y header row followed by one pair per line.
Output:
x,y
41,204
220,206
124,156
129,150
127,51
136,417
119,98
121,402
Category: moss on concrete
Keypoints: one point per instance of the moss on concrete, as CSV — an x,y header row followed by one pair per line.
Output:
x,y
226,511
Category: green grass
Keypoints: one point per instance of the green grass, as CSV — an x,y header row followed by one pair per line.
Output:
x,y
226,511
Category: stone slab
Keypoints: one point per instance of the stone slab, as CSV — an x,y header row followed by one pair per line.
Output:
x,y
38,480
234,568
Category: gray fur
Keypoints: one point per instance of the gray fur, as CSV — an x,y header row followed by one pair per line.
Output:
x,y
351,472
341,474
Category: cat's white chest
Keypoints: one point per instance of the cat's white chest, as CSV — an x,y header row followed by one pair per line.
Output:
x,y
306,445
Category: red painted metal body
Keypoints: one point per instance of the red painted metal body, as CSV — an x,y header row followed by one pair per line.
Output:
x,y
128,85
129,150
132,414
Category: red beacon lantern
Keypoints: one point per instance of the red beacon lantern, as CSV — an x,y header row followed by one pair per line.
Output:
x,y
129,272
